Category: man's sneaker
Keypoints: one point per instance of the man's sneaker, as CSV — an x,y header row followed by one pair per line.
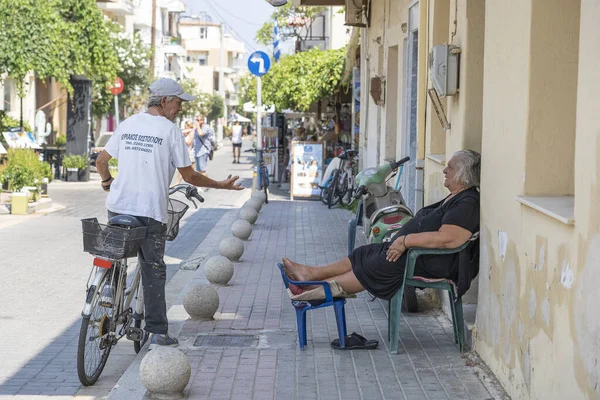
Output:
x,y
163,340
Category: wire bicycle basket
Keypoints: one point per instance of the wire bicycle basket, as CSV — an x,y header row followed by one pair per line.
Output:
x,y
175,211
111,242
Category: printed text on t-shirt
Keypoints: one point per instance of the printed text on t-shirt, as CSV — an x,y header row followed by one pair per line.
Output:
x,y
145,143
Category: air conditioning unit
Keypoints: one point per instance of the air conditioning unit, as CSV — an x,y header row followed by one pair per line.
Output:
x,y
443,69
355,12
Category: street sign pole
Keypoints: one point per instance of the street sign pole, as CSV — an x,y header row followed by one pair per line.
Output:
x,y
258,130
116,110
258,65
116,90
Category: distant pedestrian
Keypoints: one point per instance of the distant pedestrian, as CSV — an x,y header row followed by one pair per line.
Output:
x,y
249,130
188,134
236,140
203,144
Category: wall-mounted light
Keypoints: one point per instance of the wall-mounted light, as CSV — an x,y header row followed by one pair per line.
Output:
x,y
346,109
277,3
404,27
330,107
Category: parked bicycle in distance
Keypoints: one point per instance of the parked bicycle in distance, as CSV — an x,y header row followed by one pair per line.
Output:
x,y
112,309
262,171
340,186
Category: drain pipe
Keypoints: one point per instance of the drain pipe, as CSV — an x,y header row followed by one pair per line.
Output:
x,y
420,187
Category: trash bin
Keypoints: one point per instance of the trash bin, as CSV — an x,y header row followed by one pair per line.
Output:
x,y
19,203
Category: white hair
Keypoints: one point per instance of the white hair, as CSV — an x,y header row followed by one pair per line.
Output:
x,y
468,168
155,100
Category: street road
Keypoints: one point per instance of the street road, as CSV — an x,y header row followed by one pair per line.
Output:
x,y
44,270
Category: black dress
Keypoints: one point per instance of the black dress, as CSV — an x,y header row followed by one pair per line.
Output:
x,y
383,278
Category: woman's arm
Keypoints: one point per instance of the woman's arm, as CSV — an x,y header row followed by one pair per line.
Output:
x,y
447,237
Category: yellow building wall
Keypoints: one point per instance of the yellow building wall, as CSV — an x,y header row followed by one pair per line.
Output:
x,y
538,327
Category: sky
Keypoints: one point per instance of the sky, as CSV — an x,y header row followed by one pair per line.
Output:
x,y
245,17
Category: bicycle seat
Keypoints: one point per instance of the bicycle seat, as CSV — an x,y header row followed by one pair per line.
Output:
x,y
348,154
125,221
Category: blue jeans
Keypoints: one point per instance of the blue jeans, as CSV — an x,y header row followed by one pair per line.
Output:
x,y
201,163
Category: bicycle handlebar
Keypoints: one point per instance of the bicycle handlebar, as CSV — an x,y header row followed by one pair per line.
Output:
x,y
188,190
398,163
254,150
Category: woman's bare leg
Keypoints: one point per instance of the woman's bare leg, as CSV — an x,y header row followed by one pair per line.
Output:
x,y
349,283
301,272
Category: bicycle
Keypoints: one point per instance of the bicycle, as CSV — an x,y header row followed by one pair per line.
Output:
x,y
262,171
108,314
341,188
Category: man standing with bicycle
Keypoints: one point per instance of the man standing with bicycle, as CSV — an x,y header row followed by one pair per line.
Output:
x,y
150,147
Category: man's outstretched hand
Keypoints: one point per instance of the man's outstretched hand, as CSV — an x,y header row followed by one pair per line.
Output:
x,y
230,184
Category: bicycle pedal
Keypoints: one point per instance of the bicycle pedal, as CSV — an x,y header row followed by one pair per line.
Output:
x,y
135,334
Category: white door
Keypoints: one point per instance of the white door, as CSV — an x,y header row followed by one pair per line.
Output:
x,y
409,131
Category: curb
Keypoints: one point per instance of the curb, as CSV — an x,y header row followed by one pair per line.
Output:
x,y
129,386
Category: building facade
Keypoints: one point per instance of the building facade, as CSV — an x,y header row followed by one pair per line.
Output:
x,y
527,77
205,42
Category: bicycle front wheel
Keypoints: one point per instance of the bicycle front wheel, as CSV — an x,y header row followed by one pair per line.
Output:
x,y
332,197
94,338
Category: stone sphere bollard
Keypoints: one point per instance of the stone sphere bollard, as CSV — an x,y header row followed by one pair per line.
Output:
x,y
165,372
232,248
259,196
218,270
241,229
249,214
254,203
201,301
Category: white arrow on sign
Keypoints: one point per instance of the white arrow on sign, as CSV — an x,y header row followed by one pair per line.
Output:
x,y
261,67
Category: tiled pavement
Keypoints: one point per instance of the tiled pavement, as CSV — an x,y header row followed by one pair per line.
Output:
x,y
428,366
44,270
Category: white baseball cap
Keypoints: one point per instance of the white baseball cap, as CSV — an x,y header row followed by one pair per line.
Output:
x,y
168,87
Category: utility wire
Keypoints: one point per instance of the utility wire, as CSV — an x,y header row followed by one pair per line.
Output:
x,y
228,26
235,16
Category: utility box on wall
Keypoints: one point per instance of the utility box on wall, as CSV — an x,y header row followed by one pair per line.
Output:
x,y
443,69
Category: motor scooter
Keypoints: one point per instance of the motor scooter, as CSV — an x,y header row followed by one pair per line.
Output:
x,y
381,211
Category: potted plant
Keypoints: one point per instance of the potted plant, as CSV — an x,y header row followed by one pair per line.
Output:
x,y
60,141
73,163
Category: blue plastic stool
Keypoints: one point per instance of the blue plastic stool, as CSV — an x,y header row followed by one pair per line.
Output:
x,y
302,306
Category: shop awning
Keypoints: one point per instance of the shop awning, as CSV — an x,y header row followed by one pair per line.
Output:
x,y
350,63
2,149
237,117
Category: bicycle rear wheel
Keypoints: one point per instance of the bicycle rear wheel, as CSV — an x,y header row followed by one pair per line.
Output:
x,y
94,340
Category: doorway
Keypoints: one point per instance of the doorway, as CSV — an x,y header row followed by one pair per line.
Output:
x,y
409,131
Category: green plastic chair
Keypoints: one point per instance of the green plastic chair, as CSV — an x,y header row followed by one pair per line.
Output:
x,y
395,304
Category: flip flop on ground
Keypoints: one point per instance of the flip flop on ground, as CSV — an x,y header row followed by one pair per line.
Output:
x,y
354,341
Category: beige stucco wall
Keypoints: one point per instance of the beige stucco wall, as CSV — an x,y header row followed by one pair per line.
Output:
x,y
537,324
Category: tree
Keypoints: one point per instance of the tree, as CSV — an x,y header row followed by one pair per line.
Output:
x,y
209,105
298,80
134,69
55,38
290,20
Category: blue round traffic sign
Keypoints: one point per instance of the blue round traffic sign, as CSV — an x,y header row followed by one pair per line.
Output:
x,y
259,63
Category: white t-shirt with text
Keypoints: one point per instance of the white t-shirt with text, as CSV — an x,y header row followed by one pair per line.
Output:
x,y
149,149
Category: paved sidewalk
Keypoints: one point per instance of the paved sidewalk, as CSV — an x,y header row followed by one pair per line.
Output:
x,y
44,272
250,350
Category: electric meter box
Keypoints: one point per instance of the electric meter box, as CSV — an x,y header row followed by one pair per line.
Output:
x,y
443,69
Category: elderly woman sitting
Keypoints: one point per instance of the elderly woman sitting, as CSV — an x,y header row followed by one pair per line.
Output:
x,y
379,267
